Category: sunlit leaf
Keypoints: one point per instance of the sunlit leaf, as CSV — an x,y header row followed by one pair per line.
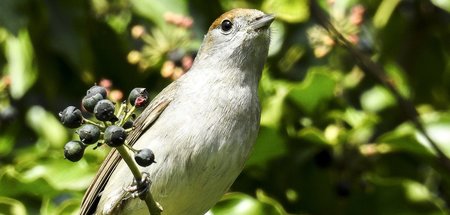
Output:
x,y
274,93
377,99
384,12
403,139
313,135
317,88
20,55
398,78
78,178
263,197
277,36
46,125
443,4
11,206
242,204
288,10
439,132
154,10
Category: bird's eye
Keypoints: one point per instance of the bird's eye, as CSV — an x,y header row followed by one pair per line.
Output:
x,y
226,25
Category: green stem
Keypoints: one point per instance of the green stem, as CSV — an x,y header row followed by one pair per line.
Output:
x,y
152,206
130,162
127,115
94,123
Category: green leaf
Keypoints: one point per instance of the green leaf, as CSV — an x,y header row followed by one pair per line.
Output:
x,y
443,4
276,37
11,206
242,204
403,139
7,142
154,9
46,126
384,12
317,88
20,55
269,145
272,100
377,99
398,77
439,133
78,178
292,11
356,118
10,177
313,135
263,197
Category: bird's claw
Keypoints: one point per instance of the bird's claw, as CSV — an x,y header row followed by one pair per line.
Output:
x,y
139,189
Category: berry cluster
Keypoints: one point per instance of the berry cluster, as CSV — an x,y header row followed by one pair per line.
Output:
x,y
110,126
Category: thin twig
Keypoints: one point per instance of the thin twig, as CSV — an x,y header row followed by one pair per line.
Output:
x,y
374,69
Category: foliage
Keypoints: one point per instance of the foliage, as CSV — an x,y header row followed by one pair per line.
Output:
x,y
333,140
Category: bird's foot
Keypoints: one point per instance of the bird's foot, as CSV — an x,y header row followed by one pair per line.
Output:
x,y
139,188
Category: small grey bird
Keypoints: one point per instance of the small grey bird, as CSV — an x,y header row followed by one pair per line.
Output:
x,y
201,127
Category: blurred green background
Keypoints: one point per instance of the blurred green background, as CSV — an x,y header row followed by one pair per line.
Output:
x,y
332,141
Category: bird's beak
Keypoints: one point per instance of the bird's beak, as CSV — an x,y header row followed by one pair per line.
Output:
x,y
263,22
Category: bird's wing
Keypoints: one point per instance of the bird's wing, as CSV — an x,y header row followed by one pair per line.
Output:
x,y
142,123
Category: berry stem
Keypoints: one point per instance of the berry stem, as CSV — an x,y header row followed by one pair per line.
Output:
x,y
130,148
123,106
94,123
127,115
152,205
128,130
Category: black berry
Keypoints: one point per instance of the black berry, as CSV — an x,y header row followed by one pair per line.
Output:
x,y
97,89
89,134
90,101
115,136
104,111
71,117
128,124
74,151
138,97
144,157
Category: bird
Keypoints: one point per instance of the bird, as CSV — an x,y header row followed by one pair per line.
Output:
x,y
201,127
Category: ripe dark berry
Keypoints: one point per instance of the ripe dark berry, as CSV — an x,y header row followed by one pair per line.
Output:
x,y
324,158
71,117
144,157
128,124
97,89
89,134
90,101
104,111
115,136
138,97
74,150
